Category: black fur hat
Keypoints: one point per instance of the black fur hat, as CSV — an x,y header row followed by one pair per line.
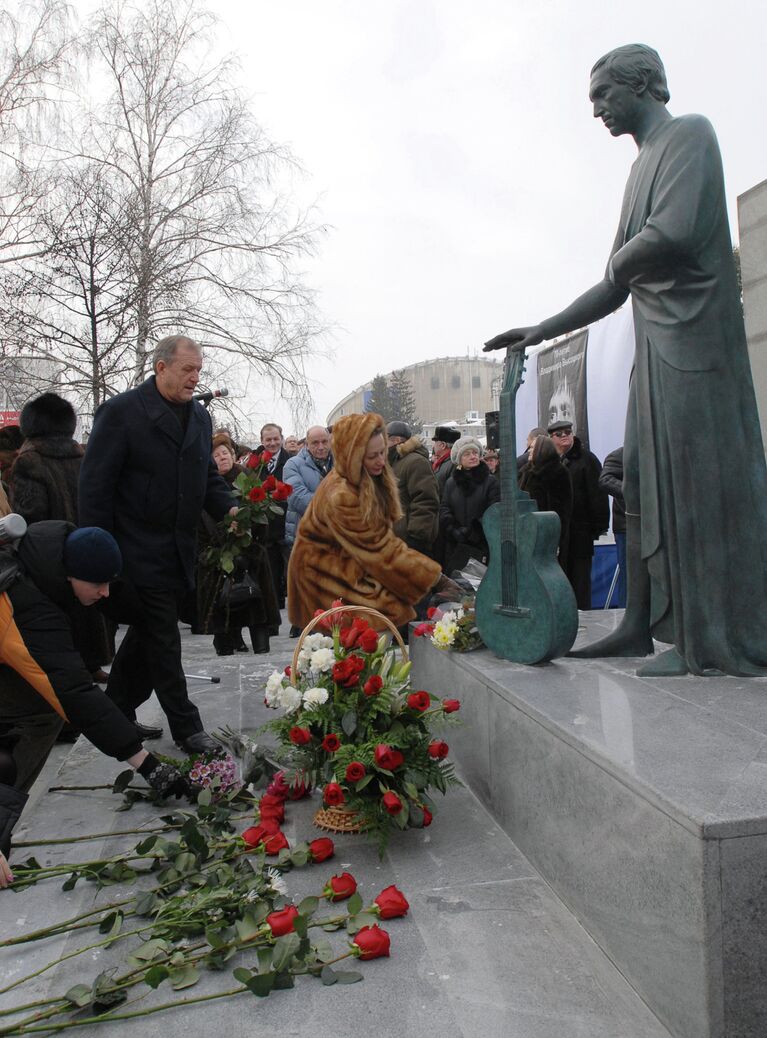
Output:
x,y
10,438
48,415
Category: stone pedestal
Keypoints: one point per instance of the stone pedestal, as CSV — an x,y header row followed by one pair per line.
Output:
x,y
643,803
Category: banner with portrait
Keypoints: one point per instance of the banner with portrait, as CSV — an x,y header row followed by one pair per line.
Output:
x,y
562,384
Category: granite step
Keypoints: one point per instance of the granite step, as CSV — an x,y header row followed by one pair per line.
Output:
x,y
487,948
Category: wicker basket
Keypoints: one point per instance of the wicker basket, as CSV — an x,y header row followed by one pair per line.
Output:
x,y
342,819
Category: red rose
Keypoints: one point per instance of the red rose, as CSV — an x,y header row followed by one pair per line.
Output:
x,y
431,612
392,803
282,491
386,757
419,701
438,749
427,817
451,705
269,483
321,849
258,833
257,494
272,799
368,640
392,903
281,922
274,844
423,630
373,685
264,457
298,789
273,812
253,462
348,637
288,671
299,736
347,672
278,788
338,888
355,771
331,743
372,942
333,795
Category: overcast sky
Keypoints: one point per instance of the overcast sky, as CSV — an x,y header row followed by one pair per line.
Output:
x,y
451,149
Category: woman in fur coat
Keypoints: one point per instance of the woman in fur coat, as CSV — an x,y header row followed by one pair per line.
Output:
x,y
470,490
43,484
345,546
548,483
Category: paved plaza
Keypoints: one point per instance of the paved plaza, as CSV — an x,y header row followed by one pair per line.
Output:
x,y
487,948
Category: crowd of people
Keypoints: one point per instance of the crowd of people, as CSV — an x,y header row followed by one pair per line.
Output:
x,y
119,531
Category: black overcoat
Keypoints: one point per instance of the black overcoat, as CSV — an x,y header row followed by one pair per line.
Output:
x,y
147,482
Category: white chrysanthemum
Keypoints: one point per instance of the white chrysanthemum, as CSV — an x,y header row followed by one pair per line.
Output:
x,y
290,699
317,641
445,630
314,697
322,660
274,681
274,878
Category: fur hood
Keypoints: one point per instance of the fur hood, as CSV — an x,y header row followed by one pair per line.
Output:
x,y
415,443
48,415
351,435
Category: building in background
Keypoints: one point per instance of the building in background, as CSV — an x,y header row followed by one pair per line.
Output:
x,y
447,391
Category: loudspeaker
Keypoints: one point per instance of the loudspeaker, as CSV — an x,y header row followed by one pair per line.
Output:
x,y
493,429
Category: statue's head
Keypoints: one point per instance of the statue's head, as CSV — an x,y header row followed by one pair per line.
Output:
x,y
639,67
624,83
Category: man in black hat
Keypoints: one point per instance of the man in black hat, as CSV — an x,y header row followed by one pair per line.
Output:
x,y
443,439
46,579
591,507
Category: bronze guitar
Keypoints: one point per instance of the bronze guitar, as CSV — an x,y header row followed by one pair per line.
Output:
x,y
525,608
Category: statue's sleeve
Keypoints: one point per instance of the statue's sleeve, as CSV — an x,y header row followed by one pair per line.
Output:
x,y
684,206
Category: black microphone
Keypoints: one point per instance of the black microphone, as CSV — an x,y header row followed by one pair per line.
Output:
x,y
212,394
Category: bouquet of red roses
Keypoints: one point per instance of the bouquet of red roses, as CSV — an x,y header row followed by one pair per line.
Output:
x,y
259,494
351,726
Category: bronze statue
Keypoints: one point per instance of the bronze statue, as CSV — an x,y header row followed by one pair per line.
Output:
x,y
695,481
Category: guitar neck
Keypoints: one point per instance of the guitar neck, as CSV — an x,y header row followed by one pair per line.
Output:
x,y
513,371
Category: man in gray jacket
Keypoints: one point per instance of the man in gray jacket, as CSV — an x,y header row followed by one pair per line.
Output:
x,y
304,472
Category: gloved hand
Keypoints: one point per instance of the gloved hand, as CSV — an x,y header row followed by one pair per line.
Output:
x,y
164,779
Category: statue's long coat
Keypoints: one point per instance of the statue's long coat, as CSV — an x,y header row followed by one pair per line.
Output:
x,y
694,466
346,547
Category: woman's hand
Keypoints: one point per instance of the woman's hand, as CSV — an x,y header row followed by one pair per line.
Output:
x,y
6,876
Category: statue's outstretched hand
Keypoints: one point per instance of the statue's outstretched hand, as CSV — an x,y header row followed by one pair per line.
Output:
x,y
517,338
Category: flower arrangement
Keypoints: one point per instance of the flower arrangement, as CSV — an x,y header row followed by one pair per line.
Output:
x,y
259,498
215,770
451,629
351,725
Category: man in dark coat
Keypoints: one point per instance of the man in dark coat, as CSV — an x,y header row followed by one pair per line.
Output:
x,y
590,516
442,443
146,477
418,490
271,442
46,581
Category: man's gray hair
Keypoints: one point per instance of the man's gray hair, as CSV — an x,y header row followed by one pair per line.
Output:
x,y
639,67
165,350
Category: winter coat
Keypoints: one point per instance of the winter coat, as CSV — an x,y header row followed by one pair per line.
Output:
x,y
443,472
346,547
146,481
44,479
468,495
611,480
418,494
591,505
261,612
550,487
43,601
304,475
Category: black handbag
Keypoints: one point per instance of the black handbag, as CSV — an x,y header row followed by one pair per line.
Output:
x,y
238,590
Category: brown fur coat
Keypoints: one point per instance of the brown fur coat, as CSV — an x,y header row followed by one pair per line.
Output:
x,y
346,547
